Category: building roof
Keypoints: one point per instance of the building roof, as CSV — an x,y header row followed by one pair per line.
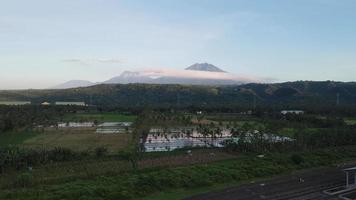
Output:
x,y
70,103
350,169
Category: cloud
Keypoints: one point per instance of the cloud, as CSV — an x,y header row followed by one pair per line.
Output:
x,y
93,61
156,73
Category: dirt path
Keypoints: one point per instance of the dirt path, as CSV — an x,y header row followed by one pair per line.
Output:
x,y
305,185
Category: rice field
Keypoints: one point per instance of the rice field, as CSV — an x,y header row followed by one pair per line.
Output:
x,y
15,138
86,140
79,141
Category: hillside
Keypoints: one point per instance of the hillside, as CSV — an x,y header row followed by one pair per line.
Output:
x,y
302,93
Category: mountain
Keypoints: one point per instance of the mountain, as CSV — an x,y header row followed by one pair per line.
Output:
x,y
197,74
74,84
204,67
137,77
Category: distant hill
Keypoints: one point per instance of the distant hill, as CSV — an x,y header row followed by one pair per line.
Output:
x,y
74,84
289,94
204,67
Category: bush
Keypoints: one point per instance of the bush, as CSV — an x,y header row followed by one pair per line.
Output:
x,y
61,154
297,159
101,151
24,180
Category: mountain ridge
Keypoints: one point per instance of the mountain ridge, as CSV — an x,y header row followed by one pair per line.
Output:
x,y
204,67
291,94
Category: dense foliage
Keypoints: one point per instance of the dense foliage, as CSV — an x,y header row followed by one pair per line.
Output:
x,y
26,117
302,94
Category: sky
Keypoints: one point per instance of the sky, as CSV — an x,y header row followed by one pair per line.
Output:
x,y
47,42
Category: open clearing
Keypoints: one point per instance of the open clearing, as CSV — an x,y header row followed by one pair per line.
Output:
x,y
15,138
75,140
79,141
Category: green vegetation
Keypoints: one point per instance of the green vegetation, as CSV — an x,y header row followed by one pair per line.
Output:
x,y
78,141
76,163
85,140
350,121
295,95
104,117
15,138
132,185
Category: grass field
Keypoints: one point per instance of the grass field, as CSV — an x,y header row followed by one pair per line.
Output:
x,y
104,117
78,141
15,138
350,121
74,140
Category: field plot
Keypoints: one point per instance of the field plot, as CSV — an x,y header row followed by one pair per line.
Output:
x,y
7,139
61,172
81,141
350,121
105,117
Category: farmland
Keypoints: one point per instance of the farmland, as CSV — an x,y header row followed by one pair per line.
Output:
x,y
73,162
350,121
102,180
102,117
15,138
78,141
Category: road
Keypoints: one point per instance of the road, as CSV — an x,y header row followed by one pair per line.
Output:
x,y
303,185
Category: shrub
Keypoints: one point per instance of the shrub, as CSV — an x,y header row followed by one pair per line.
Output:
x,y
297,159
101,151
24,180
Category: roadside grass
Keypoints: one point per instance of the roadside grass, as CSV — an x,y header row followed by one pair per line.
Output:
x,y
168,182
15,138
110,165
101,117
180,194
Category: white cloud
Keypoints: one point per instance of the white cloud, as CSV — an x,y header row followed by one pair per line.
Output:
x,y
157,72
93,61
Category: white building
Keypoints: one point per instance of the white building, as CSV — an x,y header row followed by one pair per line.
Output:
x,y
15,103
64,103
114,127
296,112
76,124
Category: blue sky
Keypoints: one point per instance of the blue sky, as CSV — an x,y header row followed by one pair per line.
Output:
x,y
46,42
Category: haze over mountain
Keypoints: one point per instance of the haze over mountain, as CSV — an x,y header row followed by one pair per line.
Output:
x,y
197,74
73,84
